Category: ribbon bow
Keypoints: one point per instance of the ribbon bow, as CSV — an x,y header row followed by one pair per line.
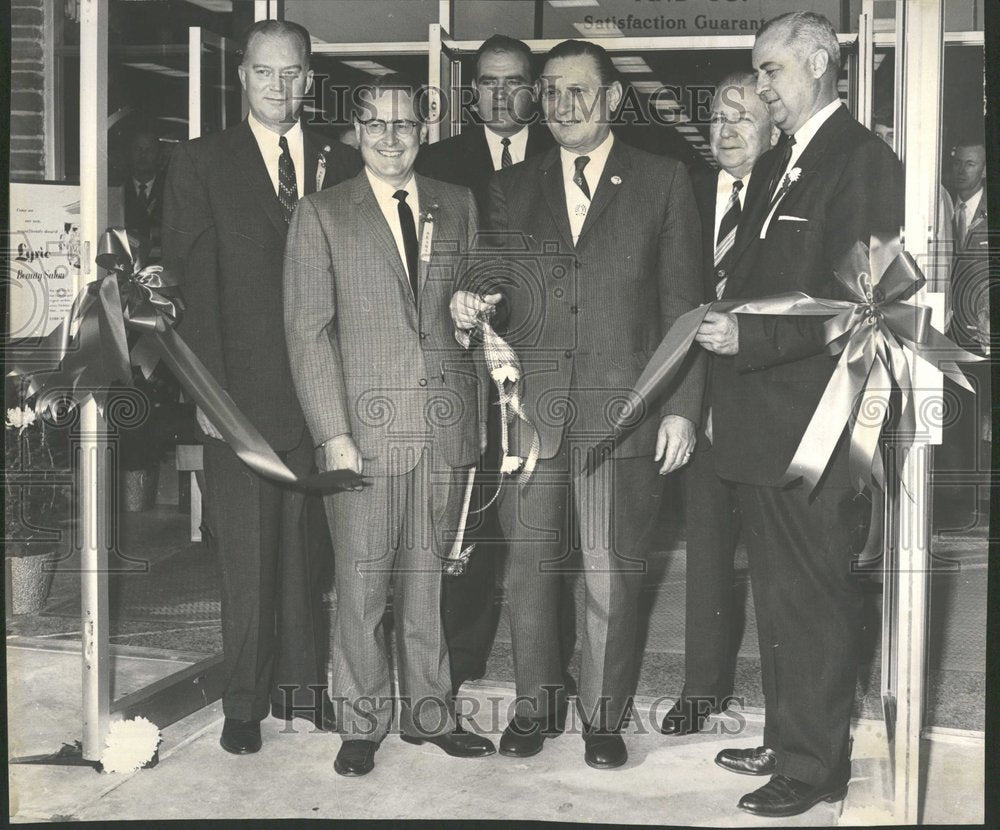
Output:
x,y
127,317
869,331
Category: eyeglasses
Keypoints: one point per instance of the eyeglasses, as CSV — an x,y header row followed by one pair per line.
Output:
x,y
376,126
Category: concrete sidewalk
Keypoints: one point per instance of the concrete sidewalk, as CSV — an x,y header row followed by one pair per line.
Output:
x,y
666,781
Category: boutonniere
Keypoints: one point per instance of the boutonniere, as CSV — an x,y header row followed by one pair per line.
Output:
x,y
787,181
427,222
616,180
793,175
321,167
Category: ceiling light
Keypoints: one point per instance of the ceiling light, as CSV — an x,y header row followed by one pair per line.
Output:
x,y
598,30
158,69
647,86
371,67
570,4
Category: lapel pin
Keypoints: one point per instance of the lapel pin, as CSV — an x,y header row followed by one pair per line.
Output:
x,y
616,180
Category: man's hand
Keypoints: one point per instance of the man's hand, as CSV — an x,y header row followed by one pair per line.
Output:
x,y
719,333
674,442
206,425
341,453
465,307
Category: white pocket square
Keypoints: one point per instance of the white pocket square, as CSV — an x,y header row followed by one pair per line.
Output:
x,y
786,218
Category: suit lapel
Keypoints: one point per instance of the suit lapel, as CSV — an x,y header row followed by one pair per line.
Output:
x,y
312,147
373,222
617,168
251,165
555,194
478,156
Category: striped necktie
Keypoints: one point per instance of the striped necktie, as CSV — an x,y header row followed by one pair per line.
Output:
x,y
505,158
288,190
730,220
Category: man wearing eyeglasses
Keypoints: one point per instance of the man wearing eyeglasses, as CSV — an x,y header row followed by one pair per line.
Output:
x,y
387,392
227,202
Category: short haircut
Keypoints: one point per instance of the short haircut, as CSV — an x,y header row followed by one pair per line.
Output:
x,y
807,31
576,48
740,78
393,82
971,139
503,43
277,27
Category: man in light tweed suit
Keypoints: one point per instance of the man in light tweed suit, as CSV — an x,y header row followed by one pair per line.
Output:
x,y
628,223
388,393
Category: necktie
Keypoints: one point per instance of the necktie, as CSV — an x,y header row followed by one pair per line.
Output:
x,y
779,172
142,195
578,179
288,190
730,219
409,238
505,157
961,225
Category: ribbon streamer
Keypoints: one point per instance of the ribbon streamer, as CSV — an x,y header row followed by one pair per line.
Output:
x,y
127,318
869,331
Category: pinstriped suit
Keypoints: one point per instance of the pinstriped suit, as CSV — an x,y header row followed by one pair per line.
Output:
x,y
584,333
369,361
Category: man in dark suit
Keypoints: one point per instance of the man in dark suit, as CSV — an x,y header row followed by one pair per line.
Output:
x,y
831,184
229,197
615,235
964,451
505,131
505,105
143,189
740,132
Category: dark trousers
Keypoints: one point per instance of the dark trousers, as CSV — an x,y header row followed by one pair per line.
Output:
x,y
614,509
809,616
273,629
469,609
712,522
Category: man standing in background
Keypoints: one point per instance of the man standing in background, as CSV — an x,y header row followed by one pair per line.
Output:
x,y
229,198
740,132
507,134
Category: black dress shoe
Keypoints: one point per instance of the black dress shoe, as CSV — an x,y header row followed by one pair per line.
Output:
x,y
240,737
523,737
327,719
355,758
784,796
604,750
759,761
685,717
458,744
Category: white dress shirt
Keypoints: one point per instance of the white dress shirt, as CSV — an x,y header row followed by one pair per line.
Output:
x,y
267,141
577,204
390,208
804,134
518,146
723,190
971,206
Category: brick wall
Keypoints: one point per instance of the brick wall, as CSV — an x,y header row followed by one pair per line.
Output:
x,y
27,89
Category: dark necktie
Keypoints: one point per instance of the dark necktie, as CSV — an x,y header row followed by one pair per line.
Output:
x,y
727,228
580,162
288,190
409,237
779,172
143,199
505,157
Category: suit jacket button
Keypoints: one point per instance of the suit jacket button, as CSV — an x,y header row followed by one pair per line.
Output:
x,y
721,273
422,382
567,353
575,309
423,335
